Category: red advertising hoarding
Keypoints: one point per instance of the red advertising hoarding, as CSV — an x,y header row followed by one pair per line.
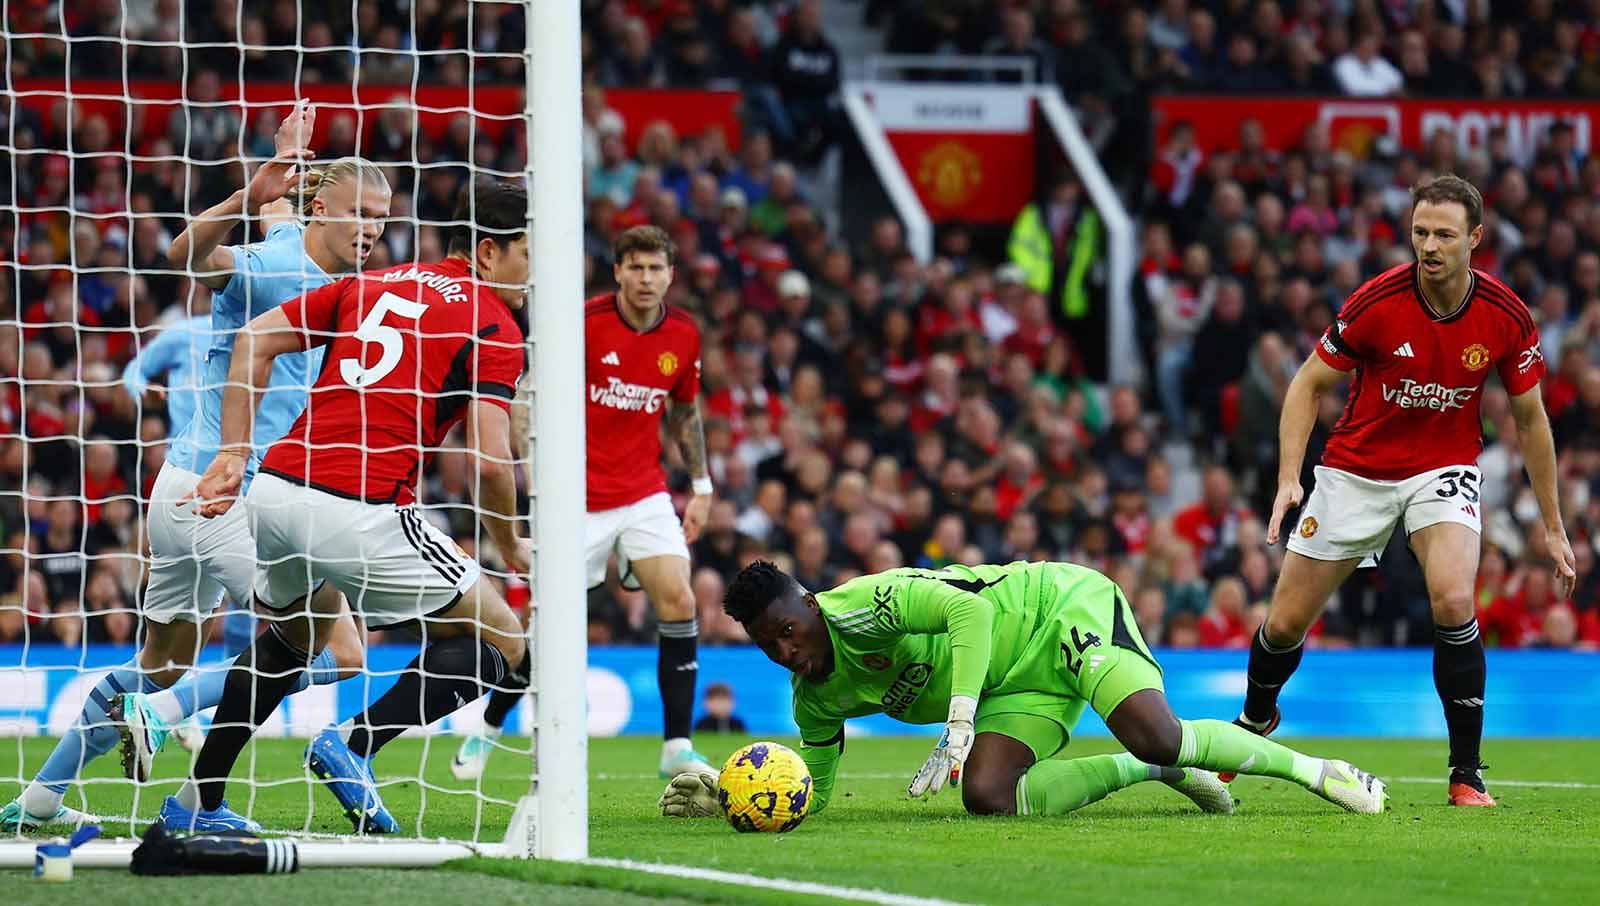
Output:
x,y
968,151
1355,123
151,103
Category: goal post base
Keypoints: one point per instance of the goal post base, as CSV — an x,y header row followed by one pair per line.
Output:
x,y
522,834
354,853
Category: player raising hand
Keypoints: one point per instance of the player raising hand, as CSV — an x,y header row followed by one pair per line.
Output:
x,y
193,560
411,352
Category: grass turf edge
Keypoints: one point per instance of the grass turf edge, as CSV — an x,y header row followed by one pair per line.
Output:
x,y
640,883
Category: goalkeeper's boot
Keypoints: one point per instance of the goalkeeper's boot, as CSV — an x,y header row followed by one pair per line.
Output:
x,y
1351,788
1466,788
349,779
679,757
1204,789
187,734
1258,729
176,818
473,756
143,734
14,819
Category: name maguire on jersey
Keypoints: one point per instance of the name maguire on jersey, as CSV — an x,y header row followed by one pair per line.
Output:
x,y
409,348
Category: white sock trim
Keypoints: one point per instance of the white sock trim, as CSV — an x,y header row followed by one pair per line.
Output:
x,y
189,796
40,801
1187,748
167,705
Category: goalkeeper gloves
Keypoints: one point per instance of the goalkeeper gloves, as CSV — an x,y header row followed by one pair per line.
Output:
x,y
691,795
950,755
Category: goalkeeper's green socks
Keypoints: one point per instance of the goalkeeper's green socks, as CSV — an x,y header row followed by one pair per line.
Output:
x,y
1219,746
1059,787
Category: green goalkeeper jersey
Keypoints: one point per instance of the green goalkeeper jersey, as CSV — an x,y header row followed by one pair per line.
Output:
x,y
906,640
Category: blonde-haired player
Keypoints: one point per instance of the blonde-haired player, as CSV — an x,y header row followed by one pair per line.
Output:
x,y
194,560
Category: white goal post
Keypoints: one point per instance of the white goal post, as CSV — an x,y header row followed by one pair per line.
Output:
x,y
560,795
551,820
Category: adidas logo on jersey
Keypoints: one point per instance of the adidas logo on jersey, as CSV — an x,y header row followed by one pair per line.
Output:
x,y
610,358
1404,350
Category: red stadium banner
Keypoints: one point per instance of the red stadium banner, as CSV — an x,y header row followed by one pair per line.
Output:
x,y
969,151
689,112
1354,123
151,103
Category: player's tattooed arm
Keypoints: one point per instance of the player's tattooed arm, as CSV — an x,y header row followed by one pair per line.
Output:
x,y
683,420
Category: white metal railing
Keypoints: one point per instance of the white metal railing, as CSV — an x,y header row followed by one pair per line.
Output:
x,y
1123,360
877,64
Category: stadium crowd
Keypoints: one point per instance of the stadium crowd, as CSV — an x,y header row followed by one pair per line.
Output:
x,y
863,410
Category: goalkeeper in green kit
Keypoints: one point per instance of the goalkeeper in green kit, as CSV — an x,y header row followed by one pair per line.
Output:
x,y
1007,657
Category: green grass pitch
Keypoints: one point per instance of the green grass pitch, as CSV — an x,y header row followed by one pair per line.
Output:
x,y
1142,846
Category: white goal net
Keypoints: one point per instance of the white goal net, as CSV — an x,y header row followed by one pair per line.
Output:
x,y
123,121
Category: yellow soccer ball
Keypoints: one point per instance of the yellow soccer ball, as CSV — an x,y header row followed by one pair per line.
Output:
x,y
765,787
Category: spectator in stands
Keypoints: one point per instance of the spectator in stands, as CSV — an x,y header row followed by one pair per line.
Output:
x,y
972,382
805,69
201,129
1182,306
1223,624
1017,38
718,705
1364,72
1223,346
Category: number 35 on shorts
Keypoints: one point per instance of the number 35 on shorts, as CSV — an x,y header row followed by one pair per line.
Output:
x,y
1462,483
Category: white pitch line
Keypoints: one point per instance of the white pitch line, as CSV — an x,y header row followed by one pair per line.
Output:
x,y
857,894
1495,781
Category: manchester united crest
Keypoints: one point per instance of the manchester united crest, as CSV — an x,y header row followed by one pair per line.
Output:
x,y
668,363
950,174
1475,357
1308,526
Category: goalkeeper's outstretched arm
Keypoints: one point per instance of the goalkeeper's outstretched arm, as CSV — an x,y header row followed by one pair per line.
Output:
x,y
821,750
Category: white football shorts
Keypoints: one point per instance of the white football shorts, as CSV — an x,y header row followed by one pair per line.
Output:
x,y
193,560
1348,517
392,564
644,528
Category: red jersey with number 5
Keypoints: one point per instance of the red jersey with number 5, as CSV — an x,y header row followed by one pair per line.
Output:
x,y
630,376
408,349
1419,376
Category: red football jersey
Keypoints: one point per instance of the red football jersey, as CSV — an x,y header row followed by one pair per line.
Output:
x,y
408,348
630,375
1419,377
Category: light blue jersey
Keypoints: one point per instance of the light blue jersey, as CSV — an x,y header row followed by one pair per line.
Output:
x,y
266,274
179,353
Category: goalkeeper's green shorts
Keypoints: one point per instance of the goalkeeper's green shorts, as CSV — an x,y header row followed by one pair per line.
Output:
x,y
1087,652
